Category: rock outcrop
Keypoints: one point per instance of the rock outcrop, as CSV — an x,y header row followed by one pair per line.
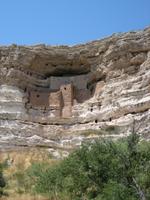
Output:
x,y
57,97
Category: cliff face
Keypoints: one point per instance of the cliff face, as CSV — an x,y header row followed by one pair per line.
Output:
x,y
52,96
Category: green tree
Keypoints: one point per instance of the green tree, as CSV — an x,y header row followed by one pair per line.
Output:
x,y
101,170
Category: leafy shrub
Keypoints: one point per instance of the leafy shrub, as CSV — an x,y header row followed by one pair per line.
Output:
x,y
101,170
2,180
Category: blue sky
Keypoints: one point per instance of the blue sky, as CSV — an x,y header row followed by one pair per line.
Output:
x,y
69,22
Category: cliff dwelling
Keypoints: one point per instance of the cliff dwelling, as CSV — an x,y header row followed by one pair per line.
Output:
x,y
50,95
60,96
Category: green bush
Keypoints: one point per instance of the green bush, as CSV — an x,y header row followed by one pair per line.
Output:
x,y
102,170
2,180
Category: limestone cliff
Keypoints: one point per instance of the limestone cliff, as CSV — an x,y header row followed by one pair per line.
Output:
x,y
52,96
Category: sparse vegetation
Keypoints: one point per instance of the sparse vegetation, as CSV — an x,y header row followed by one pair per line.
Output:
x,y
100,170
2,180
15,166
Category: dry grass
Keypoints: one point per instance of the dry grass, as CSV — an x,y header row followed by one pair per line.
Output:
x,y
23,197
22,159
19,162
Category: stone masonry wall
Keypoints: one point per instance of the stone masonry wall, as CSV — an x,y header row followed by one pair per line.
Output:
x,y
67,96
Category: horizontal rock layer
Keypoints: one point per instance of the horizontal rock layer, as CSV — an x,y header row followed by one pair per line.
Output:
x,y
57,97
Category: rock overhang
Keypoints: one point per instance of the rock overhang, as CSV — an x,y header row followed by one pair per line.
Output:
x,y
107,82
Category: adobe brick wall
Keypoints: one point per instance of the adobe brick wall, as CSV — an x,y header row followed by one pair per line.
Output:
x,y
67,99
67,111
79,81
55,103
55,99
67,94
57,82
56,113
39,99
61,101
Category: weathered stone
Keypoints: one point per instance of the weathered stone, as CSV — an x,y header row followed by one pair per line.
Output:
x,y
52,96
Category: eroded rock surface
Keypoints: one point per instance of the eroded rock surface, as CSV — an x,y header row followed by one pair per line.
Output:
x,y
55,96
